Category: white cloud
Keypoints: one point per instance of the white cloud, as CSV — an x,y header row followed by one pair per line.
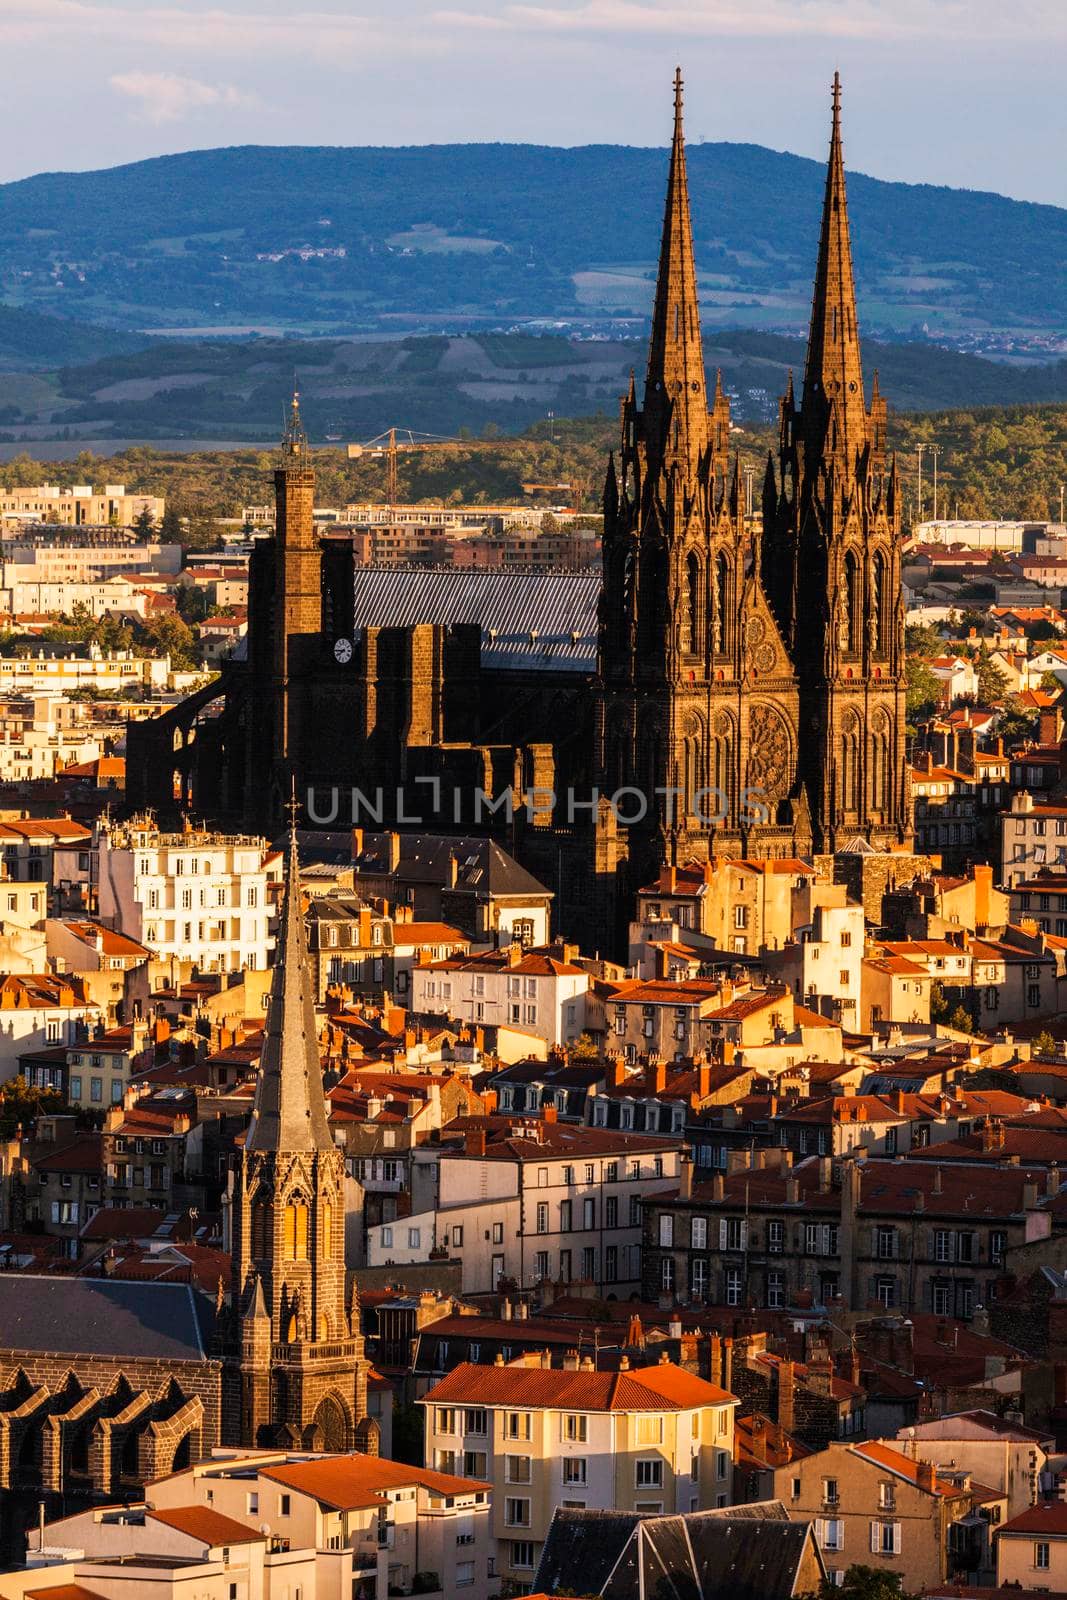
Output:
x,y
168,97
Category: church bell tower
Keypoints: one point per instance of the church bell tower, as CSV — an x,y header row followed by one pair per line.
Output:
x,y
296,1356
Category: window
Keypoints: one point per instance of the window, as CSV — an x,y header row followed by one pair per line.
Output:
x,y
522,1554
885,1538
498,1233
516,1513
517,1425
464,1573
446,1419
457,1235
517,1469
666,1232
1041,1555
885,1243
574,1469
575,1428
887,1496
829,1491
475,1464
733,1284
542,1216
648,1429
648,1474
775,1237
414,1238
476,1420
611,1211
885,1291
588,1214
831,1533
252,1503
775,1290
700,1233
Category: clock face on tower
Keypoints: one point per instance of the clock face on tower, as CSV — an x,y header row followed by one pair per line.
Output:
x,y
342,650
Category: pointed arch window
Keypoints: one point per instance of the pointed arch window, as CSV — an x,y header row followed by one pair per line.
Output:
x,y
327,1227
722,603
853,603
693,621
879,590
296,1230
260,1230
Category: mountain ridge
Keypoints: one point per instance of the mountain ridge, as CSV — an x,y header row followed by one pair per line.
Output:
x,y
352,236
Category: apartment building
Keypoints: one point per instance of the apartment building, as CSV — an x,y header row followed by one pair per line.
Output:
x,y
912,1235
1033,837
53,669
641,1439
549,1201
1032,1549
266,1523
29,846
197,896
823,966
541,990
38,1010
875,1507
742,906
81,503
997,1451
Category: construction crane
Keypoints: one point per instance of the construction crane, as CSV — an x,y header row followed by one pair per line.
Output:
x,y
389,443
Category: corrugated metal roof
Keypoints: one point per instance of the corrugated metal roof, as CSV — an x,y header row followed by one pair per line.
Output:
x,y
534,620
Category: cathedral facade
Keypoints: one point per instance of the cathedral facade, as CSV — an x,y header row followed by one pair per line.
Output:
x,y
737,689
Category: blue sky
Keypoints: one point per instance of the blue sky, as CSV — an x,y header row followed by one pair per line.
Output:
x,y
965,92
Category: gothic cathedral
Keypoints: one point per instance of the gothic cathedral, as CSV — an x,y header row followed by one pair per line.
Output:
x,y
296,1370
753,679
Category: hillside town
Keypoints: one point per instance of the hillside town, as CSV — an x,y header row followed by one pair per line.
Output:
x,y
396,1206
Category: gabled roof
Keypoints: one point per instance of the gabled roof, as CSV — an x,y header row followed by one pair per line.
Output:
x,y
901,1466
349,1481
201,1522
658,1388
103,1316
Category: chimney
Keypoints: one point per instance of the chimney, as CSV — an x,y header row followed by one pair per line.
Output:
x,y
505,1310
616,1071
1029,1196
474,1144
685,1174
549,1113
674,1328
786,1395
925,1475
570,1361
656,1074
394,851
826,1173
728,1364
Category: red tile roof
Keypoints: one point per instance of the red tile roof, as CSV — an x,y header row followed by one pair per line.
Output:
x,y
1048,1520
659,1388
201,1522
347,1482
880,1455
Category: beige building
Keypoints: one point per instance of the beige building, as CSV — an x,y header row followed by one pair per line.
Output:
x,y
743,906
80,504
1032,1549
264,1525
644,1439
874,1507
1000,1453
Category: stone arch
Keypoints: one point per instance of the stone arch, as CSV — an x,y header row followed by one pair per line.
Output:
x,y
881,745
693,604
879,603
853,598
723,603
330,1427
771,757
723,764
694,747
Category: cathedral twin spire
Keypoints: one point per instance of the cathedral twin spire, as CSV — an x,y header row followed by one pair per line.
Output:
x,y
833,409
676,420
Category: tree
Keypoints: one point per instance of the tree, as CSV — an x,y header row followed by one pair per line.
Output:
x,y
961,1020
19,1104
866,1583
171,526
1044,1045
938,1003
923,690
144,523
1017,723
922,639
584,1048
992,680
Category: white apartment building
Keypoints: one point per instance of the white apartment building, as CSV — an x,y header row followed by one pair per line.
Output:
x,y
260,1524
195,896
44,673
531,989
643,1439
32,597
81,503
38,1010
1033,836
824,967
29,846
548,1201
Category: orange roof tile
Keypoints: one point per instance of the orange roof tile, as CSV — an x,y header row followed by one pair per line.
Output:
x,y
659,1388
201,1522
347,1482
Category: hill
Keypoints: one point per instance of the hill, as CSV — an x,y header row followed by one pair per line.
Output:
x,y
324,239
352,389
1006,462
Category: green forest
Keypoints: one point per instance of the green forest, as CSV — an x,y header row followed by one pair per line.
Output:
x,y
996,462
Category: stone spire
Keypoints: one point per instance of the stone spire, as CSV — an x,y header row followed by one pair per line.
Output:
x,y
676,402
832,408
289,1115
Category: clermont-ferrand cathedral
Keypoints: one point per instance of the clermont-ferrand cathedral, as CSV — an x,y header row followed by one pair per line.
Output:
x,y
739,681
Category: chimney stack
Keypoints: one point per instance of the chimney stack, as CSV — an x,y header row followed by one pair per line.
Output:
x,y
786,1395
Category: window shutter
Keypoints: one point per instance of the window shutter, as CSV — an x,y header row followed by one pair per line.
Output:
x,y
824,1240
722,1233
820,1530
744,1235
876,1540
896,1538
